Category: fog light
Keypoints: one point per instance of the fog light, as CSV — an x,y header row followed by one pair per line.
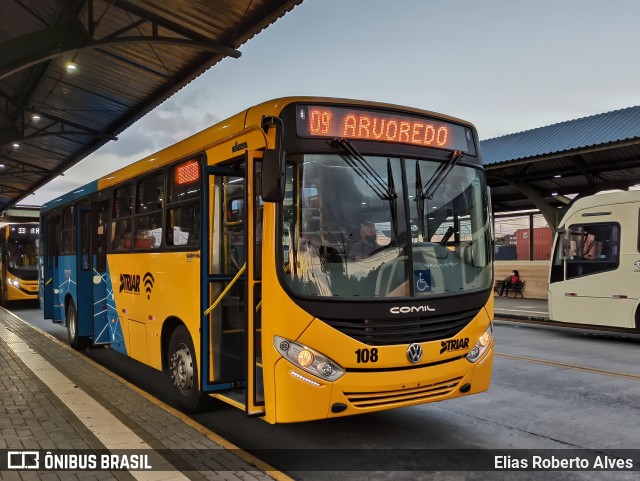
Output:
x,y
325,369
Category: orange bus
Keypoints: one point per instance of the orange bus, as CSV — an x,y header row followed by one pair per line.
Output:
x,y
307,258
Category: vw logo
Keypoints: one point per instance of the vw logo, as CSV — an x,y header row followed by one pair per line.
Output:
x,y
414,353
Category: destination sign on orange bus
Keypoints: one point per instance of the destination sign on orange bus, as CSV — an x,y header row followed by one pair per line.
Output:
x,y
187,172
382,126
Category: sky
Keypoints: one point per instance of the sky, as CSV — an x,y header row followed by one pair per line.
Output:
x,y
504,65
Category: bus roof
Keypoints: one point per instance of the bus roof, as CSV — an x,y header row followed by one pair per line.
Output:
x,y
598,200
78,193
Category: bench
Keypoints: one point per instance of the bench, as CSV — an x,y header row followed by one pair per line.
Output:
x,y
518,288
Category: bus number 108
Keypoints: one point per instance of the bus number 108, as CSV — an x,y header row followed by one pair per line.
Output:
x,y
363,356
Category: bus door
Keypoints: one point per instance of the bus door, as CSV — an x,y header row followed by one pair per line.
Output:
x,y
100,281
47,268
231,294
84,295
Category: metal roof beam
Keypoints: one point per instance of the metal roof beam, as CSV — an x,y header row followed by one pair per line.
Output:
x,y
12,134
547,210
11,174
36,168
8,188
172,26
36,47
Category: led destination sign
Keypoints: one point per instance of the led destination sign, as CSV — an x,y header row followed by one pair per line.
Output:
x,y
325,121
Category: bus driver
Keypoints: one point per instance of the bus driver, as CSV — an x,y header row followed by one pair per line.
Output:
x,y
367,243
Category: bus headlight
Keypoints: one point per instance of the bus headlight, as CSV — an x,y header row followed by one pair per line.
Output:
x,y
481,346
14,282
308,359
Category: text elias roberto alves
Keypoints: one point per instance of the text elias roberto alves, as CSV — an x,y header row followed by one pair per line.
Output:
x,y
554,462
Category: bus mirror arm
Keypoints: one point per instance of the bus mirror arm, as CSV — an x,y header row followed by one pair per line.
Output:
x,y
273,164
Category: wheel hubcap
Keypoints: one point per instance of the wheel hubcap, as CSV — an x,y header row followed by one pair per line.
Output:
x,y
182,369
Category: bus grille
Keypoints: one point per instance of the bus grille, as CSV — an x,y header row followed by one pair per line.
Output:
x,y
420,393
386,332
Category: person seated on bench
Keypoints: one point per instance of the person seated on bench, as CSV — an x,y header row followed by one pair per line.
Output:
x,y
509,283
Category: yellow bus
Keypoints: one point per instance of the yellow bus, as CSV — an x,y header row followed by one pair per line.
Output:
x,y
307,258
18,262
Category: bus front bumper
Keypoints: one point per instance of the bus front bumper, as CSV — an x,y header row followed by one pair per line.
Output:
x,y
302,397
25,290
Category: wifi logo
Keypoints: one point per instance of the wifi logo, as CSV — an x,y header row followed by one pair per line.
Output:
x,y
147,281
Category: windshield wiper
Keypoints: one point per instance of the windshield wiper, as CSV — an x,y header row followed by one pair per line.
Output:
x,y
384,190
440,174
420,201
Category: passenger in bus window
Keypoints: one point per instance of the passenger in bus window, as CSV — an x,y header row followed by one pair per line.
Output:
x,y
125,240
591,247
366,244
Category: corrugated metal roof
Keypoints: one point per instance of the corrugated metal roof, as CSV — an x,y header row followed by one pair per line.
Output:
x,y
131,55
606,128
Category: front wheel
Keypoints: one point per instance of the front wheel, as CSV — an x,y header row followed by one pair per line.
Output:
x,y
75,341
183,370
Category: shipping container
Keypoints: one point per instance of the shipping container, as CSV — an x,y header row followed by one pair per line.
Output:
x,y
542,242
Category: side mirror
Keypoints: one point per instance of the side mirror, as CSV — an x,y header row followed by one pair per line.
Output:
x,y
563,243
273,171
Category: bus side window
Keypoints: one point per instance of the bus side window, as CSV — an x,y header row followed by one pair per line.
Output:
x,y
183,225
55,240
183,205
121,235
149,212
148,231
594,248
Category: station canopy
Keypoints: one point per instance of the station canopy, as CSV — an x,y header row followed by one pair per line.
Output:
x,y
76,73
550,167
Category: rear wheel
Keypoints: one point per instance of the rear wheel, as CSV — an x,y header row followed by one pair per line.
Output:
x,y
183,370
75,341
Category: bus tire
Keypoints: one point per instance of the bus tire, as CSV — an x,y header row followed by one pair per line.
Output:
x,y
183,371
75,341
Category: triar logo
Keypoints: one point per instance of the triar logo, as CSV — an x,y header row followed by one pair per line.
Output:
x,y
148,281
454,345
130,283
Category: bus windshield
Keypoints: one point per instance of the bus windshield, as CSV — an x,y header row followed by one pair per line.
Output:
x,y
22,253
383,227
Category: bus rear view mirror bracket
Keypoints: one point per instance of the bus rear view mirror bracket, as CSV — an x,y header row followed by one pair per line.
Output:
x,y
273,164
273,176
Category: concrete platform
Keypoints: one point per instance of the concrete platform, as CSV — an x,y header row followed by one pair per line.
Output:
x,y
60,406
518,308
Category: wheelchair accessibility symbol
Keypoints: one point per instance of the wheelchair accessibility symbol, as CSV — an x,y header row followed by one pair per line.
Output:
x,y
422,280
